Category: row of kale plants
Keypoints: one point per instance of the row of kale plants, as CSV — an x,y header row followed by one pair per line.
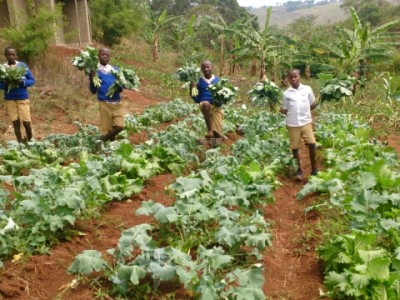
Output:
x,y
41,207
362,182
211,239
56,149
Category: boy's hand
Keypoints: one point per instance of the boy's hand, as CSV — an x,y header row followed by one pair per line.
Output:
x,y
92,74
192,84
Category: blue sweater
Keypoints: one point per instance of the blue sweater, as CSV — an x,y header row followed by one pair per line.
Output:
x,y
20,92
107,79
204,93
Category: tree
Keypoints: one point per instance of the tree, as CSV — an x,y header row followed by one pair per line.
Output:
x,y
157,24
228,37
259,44
114,19
360,47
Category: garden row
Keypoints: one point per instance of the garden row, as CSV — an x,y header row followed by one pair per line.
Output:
x,y
39,208
362,182
211,239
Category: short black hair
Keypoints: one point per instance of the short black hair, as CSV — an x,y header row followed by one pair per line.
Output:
x,y
9,48
294,70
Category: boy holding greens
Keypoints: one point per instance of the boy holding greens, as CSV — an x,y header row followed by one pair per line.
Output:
x,y
16,95
213,115
110,107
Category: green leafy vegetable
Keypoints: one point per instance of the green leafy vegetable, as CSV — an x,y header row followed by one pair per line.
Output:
x,y
188,73
88,62
335,88
11,75
223,91
124,78
265,94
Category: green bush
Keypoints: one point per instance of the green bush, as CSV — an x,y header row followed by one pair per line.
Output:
x,y
33,37
113,19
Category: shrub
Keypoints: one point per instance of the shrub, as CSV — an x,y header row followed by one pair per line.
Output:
x,y
33,37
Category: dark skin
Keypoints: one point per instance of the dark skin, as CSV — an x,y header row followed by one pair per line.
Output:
x,y
294,80
11,56
206,69
104,59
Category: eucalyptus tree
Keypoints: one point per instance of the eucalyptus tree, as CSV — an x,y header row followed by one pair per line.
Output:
x,y
156,25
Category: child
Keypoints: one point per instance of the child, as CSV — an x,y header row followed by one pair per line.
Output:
x,y
110,107
213,115
298,101
17,98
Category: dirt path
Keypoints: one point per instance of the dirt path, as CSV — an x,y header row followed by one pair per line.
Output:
x,y
44,276
292,270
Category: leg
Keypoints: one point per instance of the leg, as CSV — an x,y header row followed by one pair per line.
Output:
x,y
110,136
17,130
312,149
296,156
217,117
28,129
205,108
299,172
308,135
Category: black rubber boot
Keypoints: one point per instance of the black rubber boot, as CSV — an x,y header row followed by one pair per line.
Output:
x,y
17,130
110,136
28,130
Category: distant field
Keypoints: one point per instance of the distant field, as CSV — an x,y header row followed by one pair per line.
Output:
x,y
329,13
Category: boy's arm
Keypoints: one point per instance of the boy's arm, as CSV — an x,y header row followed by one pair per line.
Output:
x,y
92,87
195,98
283,109
29,80
314,105
311,98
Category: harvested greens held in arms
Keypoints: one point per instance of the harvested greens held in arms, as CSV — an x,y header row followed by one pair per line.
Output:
x,y
222,92
11,76
124,78
265,93
88,61
188,73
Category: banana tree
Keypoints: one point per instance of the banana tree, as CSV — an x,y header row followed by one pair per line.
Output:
x,y
157,24
228,38
262,46
265,47
360,47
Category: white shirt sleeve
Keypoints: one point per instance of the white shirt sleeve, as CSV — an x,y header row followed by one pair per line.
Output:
x,y
311,97
284,102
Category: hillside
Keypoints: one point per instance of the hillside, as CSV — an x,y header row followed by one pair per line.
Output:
x,y
329,13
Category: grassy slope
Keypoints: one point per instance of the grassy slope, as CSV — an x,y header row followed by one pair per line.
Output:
x,y
326,14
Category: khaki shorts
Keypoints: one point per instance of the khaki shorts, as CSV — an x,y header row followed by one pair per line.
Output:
x,y
217,117
110,115
303,132
18,109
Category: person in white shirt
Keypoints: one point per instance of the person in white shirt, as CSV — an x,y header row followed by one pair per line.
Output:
x,y
298,101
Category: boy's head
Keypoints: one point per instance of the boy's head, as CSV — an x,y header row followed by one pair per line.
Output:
x,y
294,78
206,68
104,56
11,55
